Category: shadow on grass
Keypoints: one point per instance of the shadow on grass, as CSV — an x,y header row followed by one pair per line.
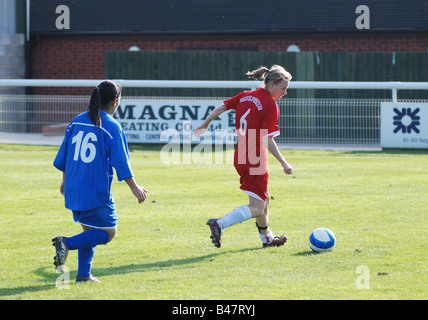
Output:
x,y
309,253
49,276
158,265
305,253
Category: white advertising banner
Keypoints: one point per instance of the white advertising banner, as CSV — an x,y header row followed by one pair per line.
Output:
x,y
173,121
404,125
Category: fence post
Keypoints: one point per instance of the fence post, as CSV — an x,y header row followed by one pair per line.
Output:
x,y
394,95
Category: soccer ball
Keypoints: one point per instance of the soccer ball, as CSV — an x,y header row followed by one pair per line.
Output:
x,y
322,239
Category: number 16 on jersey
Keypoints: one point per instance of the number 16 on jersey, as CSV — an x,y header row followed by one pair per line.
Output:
x,y
83,145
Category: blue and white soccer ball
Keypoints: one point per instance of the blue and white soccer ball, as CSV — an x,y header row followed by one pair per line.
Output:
x,y
322,239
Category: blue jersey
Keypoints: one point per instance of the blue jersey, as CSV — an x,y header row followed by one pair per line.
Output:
x,y
87,156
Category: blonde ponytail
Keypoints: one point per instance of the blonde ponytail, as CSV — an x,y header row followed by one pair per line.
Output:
x,y
258,74
275,74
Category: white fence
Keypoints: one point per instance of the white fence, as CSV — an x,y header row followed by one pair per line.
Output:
x,y
302,121
393,86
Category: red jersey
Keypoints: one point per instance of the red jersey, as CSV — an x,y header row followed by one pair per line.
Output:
x,y
256,118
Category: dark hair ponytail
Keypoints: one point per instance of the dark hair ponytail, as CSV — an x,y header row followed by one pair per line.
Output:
x,y
101,97
95,107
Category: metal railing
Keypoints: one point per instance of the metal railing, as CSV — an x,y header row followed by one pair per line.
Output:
x,y
394,86
302,121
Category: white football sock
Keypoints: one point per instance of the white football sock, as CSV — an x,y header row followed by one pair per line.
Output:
x,y
238,215
267,238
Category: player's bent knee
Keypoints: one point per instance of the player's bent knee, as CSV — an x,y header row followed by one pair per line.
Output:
x,y
256,211
257,207
111,233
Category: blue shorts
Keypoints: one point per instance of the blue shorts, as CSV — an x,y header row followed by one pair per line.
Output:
x,y
99,218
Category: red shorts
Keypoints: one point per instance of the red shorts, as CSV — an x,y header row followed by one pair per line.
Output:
x,y
255,186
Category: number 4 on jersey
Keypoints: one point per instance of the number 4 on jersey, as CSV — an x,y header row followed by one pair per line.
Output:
x,y
82,147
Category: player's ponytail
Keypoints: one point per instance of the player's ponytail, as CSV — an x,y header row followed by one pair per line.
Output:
x,y
101,97
275,74
258,74
95,107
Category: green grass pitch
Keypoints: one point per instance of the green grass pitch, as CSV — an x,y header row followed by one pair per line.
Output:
x,y
375,202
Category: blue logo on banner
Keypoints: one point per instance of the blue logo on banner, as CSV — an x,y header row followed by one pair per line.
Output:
x,y
406,120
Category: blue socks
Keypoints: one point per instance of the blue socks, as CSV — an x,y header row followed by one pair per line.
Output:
x,y
85,243
87,239
85,256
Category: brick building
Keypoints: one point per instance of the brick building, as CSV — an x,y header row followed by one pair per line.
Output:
x,y
77,51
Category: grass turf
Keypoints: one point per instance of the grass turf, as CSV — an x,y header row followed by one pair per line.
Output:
x,y
375,203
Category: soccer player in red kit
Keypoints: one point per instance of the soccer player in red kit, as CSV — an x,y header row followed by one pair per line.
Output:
x,y
256,122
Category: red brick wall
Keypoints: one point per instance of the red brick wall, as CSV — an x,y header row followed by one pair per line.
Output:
x,y
77,57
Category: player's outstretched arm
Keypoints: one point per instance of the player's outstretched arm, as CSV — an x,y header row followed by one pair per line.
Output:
x,y
213,115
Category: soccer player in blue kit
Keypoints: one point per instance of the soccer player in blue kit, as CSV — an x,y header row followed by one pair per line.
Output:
x,y
94,143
